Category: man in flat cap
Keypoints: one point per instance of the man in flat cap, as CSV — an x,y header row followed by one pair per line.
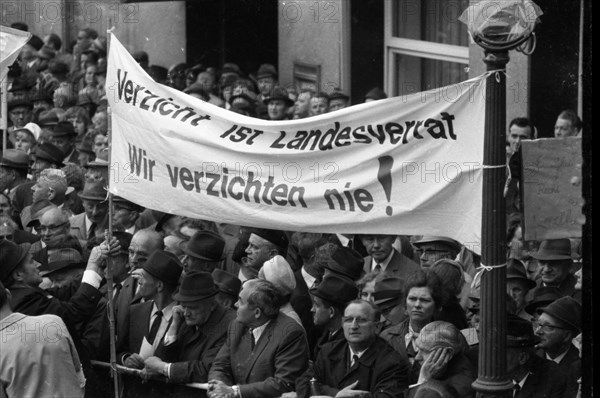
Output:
x,y
433,248
198,331
384,258
149,321
532,376
329,299
263,244
265,351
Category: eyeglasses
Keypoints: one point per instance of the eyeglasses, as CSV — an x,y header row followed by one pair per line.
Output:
x,y
430,251
6,237
359,321
546,327
43,228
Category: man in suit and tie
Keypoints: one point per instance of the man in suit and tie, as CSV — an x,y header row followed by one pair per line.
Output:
x,y
362,361
383,258
265,351
532,376
198,331
149,321
94,220
143,243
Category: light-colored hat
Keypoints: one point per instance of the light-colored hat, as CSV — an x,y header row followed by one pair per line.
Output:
x,y
278,271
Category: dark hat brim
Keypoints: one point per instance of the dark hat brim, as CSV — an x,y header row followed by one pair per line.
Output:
x,y
187,298
184,247
549,310
550,257
530,284
287,100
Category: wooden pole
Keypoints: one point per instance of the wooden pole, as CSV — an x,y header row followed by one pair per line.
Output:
x,y
492,378
109,274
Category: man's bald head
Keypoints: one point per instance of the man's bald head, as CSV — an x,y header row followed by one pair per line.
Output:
x,y
52,185
54,226
143,243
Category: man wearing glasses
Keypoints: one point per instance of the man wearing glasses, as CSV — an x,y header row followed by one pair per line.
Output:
x,y
362,363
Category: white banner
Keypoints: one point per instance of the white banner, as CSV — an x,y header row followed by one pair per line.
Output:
x,y
404,165
11,41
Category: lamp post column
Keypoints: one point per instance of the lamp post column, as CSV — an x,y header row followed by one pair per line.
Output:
x,y
492,378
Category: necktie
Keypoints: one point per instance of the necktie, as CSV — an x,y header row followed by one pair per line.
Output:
x,y
117,289
377,267
354,360
350,244
154,328
516,390
251,336
92,231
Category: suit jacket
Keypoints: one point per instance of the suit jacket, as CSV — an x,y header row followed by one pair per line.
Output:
x,y
400,265
278,359
380,370
127,297
545,380
325,338
193,352
78,229
569,367
133,335
74,303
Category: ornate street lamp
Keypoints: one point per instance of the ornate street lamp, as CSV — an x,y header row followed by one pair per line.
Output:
x,y
497,26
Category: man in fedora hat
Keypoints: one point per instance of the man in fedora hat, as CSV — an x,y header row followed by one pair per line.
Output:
x,y
198,331
384,258
532,376
555,263
278,104
63,136
338,100
518,285
558,324
433,248
265,351
266,78
229,288
389,299
148,321
20,274
13,171
263,244
203,252
92,222
329,299
343,261
542,296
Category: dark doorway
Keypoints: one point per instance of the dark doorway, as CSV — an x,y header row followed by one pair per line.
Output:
x,y
241,31
554,64
366,47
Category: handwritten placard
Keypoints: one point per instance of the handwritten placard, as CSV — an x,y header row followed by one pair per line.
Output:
x,y
551,188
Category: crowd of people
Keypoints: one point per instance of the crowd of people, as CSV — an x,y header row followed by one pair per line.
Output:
x,y
252,312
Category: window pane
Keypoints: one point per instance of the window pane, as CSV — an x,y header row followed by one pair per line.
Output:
x,y
415,74
430,20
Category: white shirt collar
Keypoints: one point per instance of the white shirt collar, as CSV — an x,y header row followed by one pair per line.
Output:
x,y
258,331
384,263
308,278
558,357
523,380
343,239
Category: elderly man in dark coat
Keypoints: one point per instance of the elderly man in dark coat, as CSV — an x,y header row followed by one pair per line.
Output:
x,y
198,331
362,361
